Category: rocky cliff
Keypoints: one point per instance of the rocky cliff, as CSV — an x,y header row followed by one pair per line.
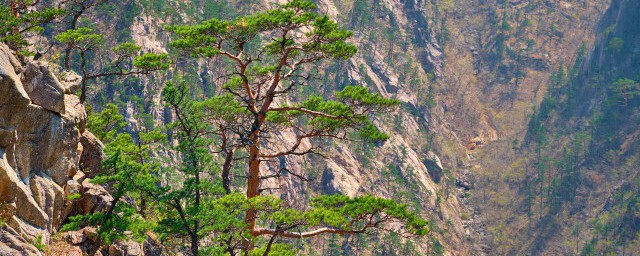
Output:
x,y
42,139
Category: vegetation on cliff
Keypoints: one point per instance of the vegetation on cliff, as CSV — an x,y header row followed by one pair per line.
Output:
x,y
189,199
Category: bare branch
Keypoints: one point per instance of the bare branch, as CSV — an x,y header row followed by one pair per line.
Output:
x,y
285,170
308,111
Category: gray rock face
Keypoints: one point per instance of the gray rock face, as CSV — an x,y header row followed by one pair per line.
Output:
x,y
75,112
92,154
10,86
12,244
43,87
434,166
94,198
14,191
42,142
128,248
70,82
40,152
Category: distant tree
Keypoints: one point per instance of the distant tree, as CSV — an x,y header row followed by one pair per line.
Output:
x,y
615,44
558,78
447,5
626,89
126,61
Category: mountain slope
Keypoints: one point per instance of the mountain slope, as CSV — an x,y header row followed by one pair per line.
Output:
x,y
510,132
572,182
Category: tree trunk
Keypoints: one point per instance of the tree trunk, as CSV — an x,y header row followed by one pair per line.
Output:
x,y
194,244
67,52
253,184
83,92
226,170
83,63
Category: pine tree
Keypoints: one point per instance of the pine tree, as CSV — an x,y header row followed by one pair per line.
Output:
x,y
270,53
192,199
125,63
18,17
75,9
128,173
626,89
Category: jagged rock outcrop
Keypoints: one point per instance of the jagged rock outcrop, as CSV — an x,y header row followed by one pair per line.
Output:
x,y
94,198
12,243
40,151
44,149
43,87
70,82
92,154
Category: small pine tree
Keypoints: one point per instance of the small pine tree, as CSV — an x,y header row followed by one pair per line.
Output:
x,y
626,89
18,17
125,63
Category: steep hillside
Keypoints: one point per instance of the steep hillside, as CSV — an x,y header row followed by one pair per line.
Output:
x,y
570,186
511,137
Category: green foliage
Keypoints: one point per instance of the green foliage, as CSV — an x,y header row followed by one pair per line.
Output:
x,y
558,78
126,62
324,36
447,5
431,98
626,89
505,26
182,198
615,44
438,248
340,210
276,249
370,132
588,250
223,107
126,48
85,38
106,123
263,47
14,25
579,60
129,173
361,96
360,16
112,227
39,243
187,207
74,196
336,115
